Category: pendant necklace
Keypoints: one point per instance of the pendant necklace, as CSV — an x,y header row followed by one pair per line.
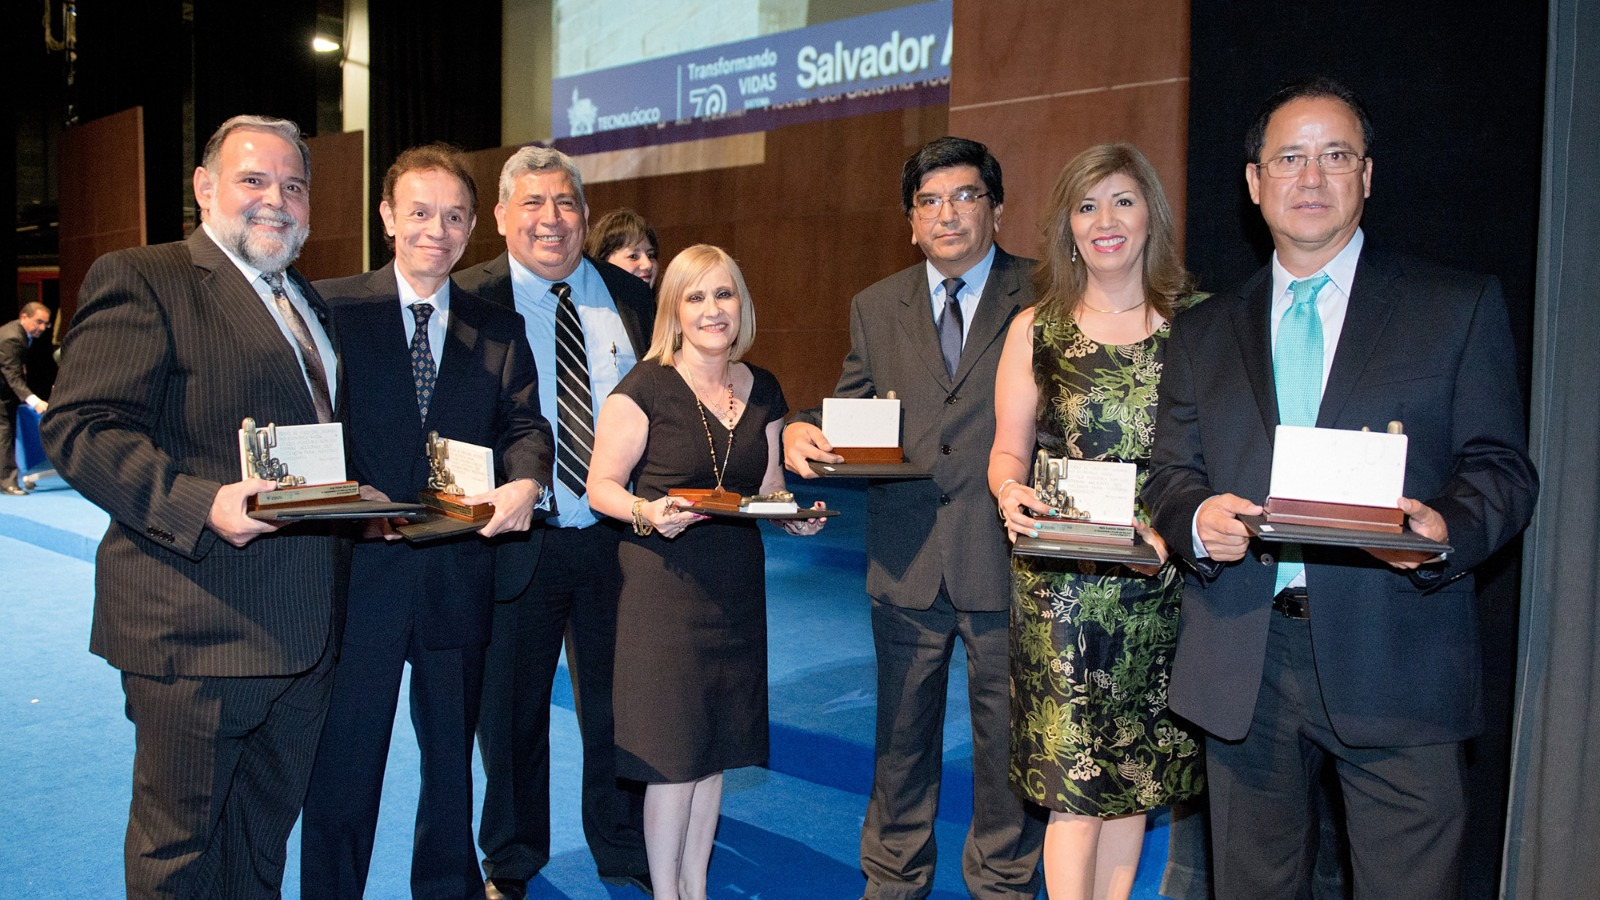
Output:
x,y
711,444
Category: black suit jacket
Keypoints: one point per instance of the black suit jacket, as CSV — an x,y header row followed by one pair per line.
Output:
x,y
920,532
485,393
13,352
1399,665
519,554
170,350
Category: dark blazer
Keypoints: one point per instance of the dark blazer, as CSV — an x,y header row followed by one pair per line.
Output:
x,y
519,554
13,351
921,531
170,350
486,394
1399,664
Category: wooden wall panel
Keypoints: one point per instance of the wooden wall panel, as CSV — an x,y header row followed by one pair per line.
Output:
x,y
1041,82
102,195
338,207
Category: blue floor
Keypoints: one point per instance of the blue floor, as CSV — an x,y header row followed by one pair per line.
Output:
x,y
788,831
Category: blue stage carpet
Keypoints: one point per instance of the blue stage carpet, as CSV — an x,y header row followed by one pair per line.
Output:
x,y
788,831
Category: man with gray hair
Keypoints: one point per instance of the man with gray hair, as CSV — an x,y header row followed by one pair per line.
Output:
x,y
223,628
587,322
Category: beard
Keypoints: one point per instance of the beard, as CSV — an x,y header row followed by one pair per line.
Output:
x,y
266,252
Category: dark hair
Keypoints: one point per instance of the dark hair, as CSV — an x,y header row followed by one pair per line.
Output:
x,y
211,157
616,230
437,156
1059,282
1305,88
941,153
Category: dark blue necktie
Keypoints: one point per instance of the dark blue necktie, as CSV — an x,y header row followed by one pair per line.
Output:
x,y
950,325
423,371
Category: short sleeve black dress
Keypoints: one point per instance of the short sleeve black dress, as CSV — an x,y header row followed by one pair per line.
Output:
x,y
690,692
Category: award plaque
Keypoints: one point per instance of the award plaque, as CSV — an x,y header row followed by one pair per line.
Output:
x,y
307,462
1333,478
776,506
864,432
1093,499
457,469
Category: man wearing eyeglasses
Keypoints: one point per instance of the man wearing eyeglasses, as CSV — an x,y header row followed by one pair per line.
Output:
x,y
938,564
1303,657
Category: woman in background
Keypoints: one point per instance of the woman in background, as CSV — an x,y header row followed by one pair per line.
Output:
x,y
623,238
691,665
1091,643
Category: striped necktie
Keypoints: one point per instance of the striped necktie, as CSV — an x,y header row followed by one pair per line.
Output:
x,y
574,401
310,357
1297,373
423,371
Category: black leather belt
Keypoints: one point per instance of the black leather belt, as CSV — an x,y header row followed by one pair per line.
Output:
x,y
1292,603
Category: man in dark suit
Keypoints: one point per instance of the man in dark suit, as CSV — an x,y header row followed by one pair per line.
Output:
x,y
938,564
1367,662
223,628
561,579
15,338
421,355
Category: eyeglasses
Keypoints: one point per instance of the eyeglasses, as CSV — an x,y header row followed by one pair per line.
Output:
x,y
927,206
1333,162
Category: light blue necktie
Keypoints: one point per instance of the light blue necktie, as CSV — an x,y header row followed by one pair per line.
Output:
x,y
1297,372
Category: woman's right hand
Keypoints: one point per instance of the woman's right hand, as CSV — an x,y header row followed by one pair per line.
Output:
x,y
671,515
1019,504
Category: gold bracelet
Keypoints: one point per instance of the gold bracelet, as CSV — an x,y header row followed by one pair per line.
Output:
x,y
641,526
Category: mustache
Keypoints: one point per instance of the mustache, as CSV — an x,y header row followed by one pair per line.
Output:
x,y
272,217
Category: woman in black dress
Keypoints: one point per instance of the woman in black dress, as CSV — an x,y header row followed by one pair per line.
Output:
x,y
691,672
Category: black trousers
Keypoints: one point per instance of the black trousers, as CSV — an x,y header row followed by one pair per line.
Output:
x,y
573,598
1405,807
219,772
341,812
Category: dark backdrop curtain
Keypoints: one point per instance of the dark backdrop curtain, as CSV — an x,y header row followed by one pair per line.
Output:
x,y
251,59
1456,93
435,77
1555,791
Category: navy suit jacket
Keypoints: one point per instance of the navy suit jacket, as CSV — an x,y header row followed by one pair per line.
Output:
x,y
921,532
486,394
1398,662
519,554
170,350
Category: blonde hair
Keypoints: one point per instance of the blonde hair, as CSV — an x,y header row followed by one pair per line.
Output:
x,y
683,273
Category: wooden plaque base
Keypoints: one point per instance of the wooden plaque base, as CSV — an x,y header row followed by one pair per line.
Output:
x,y
871,455
451,505
307,495
710,498
1334,515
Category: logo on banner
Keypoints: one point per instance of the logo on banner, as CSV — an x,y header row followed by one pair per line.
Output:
x,y
581,115
709,101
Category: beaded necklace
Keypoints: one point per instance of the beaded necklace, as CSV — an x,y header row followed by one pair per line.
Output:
x,y
711,444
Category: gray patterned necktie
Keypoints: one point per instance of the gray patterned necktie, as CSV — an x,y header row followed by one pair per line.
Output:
x,y
310,357
950,323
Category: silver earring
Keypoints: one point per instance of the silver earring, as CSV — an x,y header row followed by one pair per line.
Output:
x,y
1074,251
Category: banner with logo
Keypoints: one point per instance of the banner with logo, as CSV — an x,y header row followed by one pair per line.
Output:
x,y
890,59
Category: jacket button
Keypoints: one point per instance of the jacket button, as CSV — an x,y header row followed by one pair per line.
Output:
x,y
950,400
944,499
946,450
1266,559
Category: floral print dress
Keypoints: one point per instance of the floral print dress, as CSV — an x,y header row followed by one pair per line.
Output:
x,y
1091,643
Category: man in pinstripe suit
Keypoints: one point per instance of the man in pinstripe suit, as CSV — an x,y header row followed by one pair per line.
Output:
x,y
221,626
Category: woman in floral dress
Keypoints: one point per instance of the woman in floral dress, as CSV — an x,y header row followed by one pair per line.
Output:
x,y
1091,643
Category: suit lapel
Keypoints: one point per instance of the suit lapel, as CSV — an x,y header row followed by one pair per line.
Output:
x,y
237,302
995,310
1253,332
1372,300
916,321
460,349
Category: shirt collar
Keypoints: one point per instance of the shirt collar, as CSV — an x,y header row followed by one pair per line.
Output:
x,y
1341,270
251,273
975,277
536,288
408,294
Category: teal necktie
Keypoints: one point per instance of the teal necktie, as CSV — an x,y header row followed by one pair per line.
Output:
x,y
1297,372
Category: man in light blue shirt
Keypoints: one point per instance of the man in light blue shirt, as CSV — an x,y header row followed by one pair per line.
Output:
x,y
587,322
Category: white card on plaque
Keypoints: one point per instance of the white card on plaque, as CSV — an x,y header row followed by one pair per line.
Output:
x,y
472,466
1106,490
861,423
313,452
1333,465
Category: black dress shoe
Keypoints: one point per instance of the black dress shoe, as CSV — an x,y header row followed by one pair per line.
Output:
x,y
505,889
640,881
13,490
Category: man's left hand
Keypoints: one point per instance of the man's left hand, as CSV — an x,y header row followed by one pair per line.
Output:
x,y
1424,520
513,506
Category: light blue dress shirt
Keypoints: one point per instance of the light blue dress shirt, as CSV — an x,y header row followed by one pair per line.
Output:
x,y
975,279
